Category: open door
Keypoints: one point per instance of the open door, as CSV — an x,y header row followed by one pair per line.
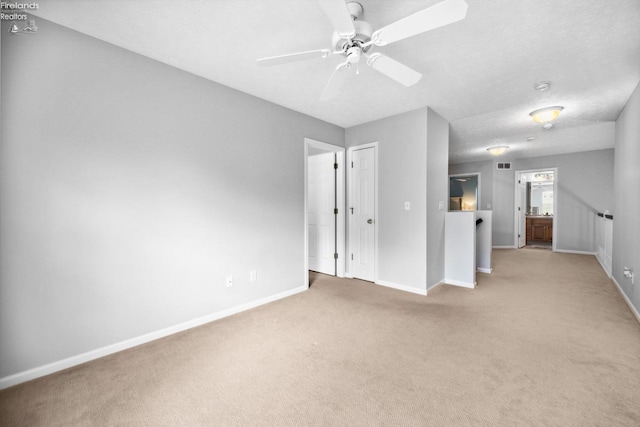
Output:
x,y
324,208
521,209
321,213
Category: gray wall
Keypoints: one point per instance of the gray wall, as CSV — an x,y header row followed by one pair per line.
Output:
x,y
413,152
437,192
402,177
129,190
485,169
585,183
626,227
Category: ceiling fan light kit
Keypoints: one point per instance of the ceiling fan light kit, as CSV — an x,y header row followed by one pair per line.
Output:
x,y
354,38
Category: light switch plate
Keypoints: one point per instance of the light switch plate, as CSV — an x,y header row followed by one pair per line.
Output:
x,y
407,206
441,206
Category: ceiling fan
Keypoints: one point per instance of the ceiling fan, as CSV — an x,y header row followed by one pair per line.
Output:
x,y
353,39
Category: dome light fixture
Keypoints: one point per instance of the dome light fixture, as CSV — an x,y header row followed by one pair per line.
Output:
x,y
498,150
546,115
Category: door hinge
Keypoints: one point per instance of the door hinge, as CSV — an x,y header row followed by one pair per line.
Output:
x,y
335,166
351,257
518,236
335,255
518,207
335,211
352,164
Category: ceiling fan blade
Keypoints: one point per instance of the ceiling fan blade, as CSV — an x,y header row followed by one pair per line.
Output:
x,y
439,15
336,82
291,57
338,14
392,68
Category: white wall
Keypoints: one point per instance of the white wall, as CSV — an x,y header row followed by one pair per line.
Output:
x,y
626,226
585,183
129,190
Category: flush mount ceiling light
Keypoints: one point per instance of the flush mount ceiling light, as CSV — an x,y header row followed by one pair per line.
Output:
x,y
545,176
546,115
498,150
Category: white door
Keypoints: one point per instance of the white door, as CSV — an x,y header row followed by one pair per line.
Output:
x,y
521,201
608,243
321,205
362,214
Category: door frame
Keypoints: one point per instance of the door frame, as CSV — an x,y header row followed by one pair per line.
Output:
x,y
350,151
555,205
340,198
478,189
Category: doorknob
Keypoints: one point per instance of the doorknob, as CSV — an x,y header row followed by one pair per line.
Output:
x,y
369,221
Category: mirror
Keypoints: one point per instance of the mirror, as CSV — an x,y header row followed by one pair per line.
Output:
x,y
464,192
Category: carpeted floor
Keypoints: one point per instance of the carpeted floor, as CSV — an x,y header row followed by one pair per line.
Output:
x,y
544,340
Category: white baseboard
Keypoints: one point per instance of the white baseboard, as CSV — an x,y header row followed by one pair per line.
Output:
x,y
441,282
569,251
503,247
603,265
484,270
402,287
460,283
626,299
133,342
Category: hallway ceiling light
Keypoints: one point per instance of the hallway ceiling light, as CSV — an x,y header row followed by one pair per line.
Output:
x,y
546,115
498,150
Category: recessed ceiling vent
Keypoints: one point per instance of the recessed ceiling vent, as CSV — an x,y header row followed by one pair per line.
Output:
x,y
503,166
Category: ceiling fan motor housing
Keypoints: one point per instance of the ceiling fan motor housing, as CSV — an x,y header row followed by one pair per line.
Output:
x,y
364,30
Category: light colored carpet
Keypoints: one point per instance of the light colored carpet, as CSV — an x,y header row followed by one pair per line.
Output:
x,y
545,340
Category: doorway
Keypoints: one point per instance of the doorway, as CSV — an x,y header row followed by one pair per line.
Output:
x,y
536,208
464,192
324,208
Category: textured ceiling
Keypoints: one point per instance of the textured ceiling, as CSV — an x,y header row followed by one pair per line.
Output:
x,y
478,73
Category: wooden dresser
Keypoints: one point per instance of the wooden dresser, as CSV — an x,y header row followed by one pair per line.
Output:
x,y
539,228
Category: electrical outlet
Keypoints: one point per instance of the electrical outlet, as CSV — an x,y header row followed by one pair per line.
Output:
x,y
407,206
441,206
229,281
253,276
